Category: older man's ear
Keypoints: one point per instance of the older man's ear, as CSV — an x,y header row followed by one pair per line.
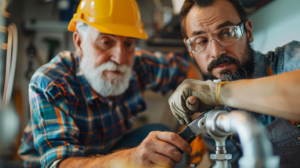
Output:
x,y
77,39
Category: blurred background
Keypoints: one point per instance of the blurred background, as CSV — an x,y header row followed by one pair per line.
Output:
x,y
34,31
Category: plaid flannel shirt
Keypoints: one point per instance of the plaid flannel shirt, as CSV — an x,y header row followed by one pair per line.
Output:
x,y
68,118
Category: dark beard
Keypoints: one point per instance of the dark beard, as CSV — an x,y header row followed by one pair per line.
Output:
x,y
244,68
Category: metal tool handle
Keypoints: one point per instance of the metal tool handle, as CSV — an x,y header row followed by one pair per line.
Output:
x,y
187,134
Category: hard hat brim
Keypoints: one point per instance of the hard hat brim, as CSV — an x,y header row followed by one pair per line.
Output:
x,y
119,30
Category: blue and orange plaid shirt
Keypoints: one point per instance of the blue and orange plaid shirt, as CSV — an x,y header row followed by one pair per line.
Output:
x,y
68,118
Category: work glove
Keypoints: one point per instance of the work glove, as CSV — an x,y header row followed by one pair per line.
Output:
x,y
206,99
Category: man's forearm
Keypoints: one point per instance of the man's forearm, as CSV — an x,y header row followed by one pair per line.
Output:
x,y
276,95
114,160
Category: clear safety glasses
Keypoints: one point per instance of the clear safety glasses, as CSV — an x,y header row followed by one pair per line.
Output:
x,y
225,37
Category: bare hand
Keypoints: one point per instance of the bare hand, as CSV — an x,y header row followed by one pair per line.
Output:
x,y
160,149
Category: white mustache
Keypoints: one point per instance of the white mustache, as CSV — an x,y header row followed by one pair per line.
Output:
x,y
111,66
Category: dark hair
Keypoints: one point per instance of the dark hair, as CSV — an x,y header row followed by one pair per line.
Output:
x,y
188,4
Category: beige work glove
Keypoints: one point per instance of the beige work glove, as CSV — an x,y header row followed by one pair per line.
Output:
x,y
204,91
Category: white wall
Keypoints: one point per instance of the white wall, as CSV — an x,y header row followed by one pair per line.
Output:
x,y
276,24
177,4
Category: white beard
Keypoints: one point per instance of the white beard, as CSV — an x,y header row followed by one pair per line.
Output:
x,y
116,84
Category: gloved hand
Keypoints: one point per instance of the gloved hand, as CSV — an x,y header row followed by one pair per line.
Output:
x,y
206,99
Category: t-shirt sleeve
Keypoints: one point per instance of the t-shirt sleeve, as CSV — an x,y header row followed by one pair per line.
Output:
x,y
158,72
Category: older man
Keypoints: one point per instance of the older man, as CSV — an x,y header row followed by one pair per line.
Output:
x,y
83,103
218,35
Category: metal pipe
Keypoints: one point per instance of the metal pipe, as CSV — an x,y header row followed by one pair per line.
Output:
x,y
257,149
12,51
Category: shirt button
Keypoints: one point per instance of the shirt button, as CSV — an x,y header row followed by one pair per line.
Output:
x,y
298,139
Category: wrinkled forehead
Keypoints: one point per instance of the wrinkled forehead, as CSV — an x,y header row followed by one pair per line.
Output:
x,y
96,34
210,18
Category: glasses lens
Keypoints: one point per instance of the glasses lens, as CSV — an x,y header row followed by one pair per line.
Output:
x,y
229,35
199,43
225,37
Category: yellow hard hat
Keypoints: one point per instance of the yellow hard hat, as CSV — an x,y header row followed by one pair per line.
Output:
x,y
117,17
